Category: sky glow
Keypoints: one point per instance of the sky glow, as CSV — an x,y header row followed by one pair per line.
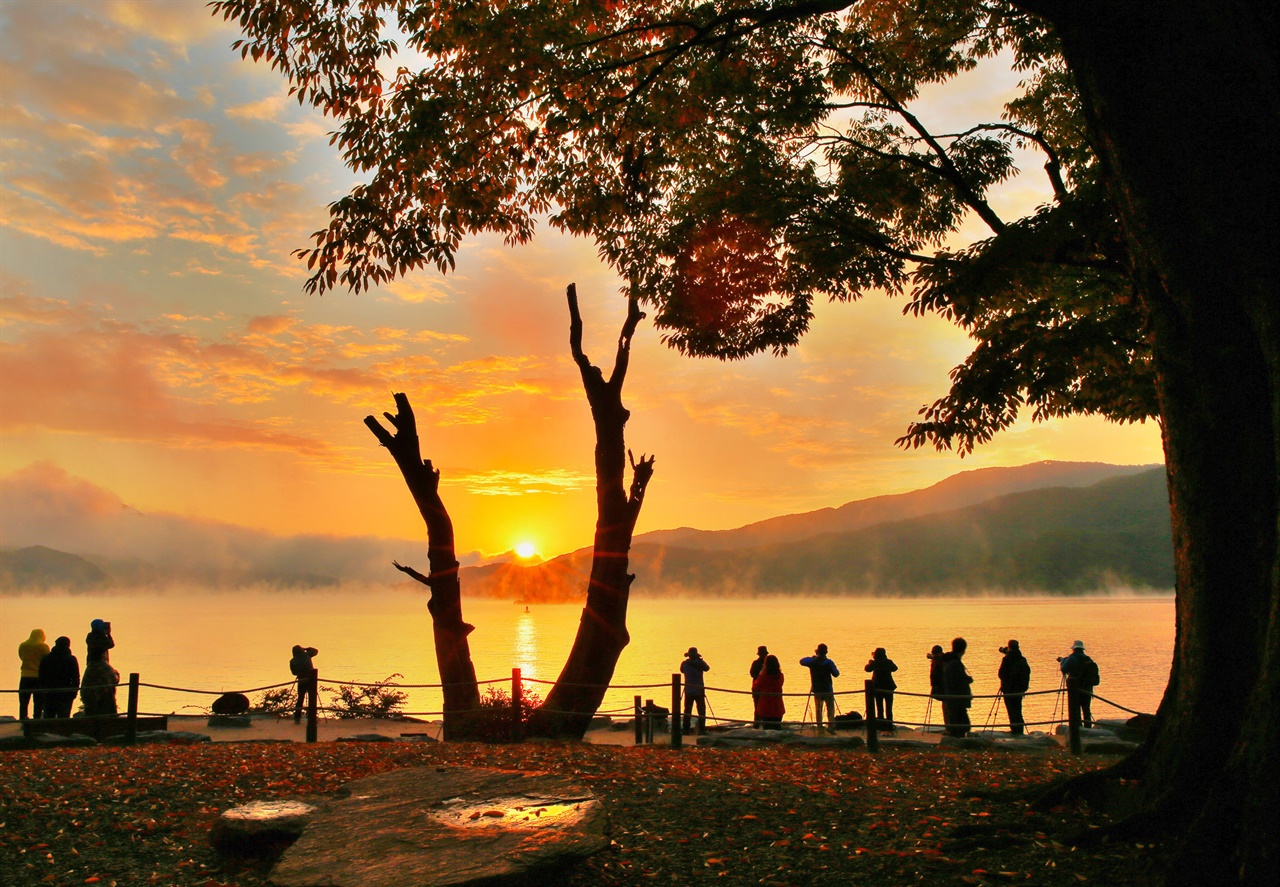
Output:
x,y
157,349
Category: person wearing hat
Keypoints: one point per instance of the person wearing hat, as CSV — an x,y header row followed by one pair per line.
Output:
x,y
882,668
1081,673
1015,678
957,694
695,690
757,666
821,671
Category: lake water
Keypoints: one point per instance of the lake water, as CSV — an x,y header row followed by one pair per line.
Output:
x,y
235,641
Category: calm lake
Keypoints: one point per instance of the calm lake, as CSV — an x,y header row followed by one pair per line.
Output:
x,y
236,641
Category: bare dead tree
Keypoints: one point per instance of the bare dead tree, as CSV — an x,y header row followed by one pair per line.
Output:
x,y
602,631
453,652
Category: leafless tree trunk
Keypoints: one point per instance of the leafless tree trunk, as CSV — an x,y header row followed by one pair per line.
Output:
x,y
453,653
602,631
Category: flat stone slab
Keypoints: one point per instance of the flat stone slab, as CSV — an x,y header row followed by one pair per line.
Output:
x,y
428,827
244,829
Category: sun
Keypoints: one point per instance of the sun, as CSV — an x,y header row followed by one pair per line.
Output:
x,y
526,549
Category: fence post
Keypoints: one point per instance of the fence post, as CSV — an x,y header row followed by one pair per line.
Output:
x,y
638,724
131,721
675,711
873,735
312,726
648,721
516,724
1073,717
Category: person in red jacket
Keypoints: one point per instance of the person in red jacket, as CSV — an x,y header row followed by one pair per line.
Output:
x,y
767,687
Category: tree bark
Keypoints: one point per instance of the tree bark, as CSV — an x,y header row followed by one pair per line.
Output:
x,y
453,652
602,631
1182,104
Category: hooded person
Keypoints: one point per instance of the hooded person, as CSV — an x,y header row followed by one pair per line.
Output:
x,y
821,671
1015,678
98,642
695,690
98,685
30,652
59,679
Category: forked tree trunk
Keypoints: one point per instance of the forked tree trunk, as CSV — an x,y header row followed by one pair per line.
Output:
x,y
1183,107
453,652
602,631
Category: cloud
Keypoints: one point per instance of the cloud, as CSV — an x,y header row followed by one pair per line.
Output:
x,y
44,505
516,483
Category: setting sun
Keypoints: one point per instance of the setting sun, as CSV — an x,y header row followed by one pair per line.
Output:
x,y
526,549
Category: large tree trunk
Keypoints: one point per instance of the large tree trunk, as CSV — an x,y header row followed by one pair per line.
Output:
x,y
602,631
1182,104
453,653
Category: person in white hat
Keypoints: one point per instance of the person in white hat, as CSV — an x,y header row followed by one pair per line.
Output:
x,y
1081,673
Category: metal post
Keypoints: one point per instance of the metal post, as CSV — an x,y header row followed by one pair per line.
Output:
x,y
649,718
1073,717
675,711
312,725
131,722
873,736
638,724
516,725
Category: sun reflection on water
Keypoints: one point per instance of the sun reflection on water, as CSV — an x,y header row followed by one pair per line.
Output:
x,y
524,647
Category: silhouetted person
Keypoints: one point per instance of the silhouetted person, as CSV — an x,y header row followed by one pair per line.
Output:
x,y
1082,676
757,666
767,688
300,666
1015,678
695,689
98,685
937,661
30,652
955,688
59,679
882,682
821,671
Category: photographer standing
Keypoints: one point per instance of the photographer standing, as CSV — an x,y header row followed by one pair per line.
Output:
x,y
1082,676
1015,678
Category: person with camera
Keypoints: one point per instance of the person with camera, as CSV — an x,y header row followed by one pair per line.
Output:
x,y
695,689
1081,673
957,695
98,685
821,671
882,668
1015,678
301,667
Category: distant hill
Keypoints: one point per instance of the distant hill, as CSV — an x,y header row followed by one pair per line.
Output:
x,y
38,567
1061,540
957,491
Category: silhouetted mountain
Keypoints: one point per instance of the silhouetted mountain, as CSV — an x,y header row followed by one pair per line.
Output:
x,y
1112,535
957,491
38,567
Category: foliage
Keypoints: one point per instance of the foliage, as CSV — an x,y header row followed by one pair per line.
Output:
x,y
733,161
494,723
376,700
278,701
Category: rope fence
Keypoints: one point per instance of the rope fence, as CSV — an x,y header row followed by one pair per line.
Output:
x,y
1072,707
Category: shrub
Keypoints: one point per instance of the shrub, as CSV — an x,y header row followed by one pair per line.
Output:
x,y
494,721
278,701
376,700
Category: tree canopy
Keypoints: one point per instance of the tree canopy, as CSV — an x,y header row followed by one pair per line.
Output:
x,y
733,161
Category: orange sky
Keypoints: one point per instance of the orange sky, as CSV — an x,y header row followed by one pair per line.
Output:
x,y
155,340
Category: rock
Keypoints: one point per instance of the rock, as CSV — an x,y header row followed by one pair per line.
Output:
x,y
1094,732
365,737
8,719
600,722
827,741
55,740
230,721
14,743
171,737
260,826
757,735
230,704
971,742
418,737
1028,742
726,742
1137,728
431,827
904,743
1113,746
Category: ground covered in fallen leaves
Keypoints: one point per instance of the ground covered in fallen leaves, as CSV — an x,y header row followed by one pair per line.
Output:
x,y
775,816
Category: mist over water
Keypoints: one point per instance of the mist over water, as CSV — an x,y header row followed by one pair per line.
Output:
x,y
237,641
